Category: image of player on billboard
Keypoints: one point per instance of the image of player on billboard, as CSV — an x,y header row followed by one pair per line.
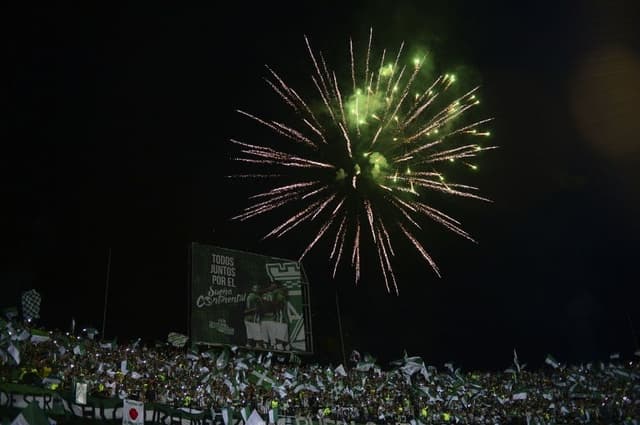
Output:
x,y
265,317
252,317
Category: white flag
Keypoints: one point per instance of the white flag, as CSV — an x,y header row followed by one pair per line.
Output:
x,y
255,419
340,371
244,412
23,335
551,361
519,396
273,416
132,412
227,416
515,360
14,352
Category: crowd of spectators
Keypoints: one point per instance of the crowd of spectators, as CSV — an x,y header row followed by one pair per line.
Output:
x,y
407,390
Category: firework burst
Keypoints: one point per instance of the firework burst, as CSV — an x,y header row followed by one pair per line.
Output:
x,y
360,161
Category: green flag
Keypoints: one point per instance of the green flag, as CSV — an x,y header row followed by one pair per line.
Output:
x,y
245,412
223,359
260,377
273,416
32,415
227,415
38,335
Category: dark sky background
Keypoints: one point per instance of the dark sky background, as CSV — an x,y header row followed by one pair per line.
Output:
x,y
117,130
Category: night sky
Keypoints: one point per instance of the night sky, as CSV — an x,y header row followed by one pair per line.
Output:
x,y
117,136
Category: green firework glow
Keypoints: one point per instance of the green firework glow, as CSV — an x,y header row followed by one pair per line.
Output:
x,y
359,167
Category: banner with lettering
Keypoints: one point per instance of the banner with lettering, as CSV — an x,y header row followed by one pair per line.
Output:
x,y
248,300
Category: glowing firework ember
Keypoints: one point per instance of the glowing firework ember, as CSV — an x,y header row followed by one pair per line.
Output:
x,y
359,162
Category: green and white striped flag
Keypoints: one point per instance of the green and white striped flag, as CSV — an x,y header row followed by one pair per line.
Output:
x,y
109,345
245,412
366,364
229,384
291,374
38,335
273,416
79,350
176,339
91,332
294,359
305,387
223,359
14,353
551,361
227,415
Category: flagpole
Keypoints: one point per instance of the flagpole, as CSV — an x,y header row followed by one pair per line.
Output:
x,y
106,294
344,357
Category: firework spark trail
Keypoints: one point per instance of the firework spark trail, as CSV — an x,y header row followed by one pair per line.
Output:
x,y
266,205
254,176
315,64
280,129
443,219
280,158
401,205
295,134
325,100
366,62
310,112
384,265
340,237
325,69
386,238
318,236
366,155
275,198
393,68
291,102
355,257
353,67
410,154
339,97
384,51
420,248
293,221
281,94
408,86
340,234
367,206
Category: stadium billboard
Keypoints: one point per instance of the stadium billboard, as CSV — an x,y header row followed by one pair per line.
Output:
x,y
249,300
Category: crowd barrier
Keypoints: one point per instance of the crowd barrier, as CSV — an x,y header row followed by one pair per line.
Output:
x,y
60,404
